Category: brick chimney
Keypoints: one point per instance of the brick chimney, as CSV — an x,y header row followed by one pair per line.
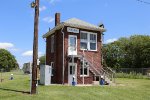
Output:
x,y
57,19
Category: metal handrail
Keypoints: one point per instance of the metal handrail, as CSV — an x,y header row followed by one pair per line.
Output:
x,y
108,71
91,65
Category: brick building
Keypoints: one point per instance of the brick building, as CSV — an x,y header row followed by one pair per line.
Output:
x,y
73,49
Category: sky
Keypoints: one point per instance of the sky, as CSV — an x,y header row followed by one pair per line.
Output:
x,y
121,18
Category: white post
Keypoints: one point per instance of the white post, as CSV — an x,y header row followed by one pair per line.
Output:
x,y
83,69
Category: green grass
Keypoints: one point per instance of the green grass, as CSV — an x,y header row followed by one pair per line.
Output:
x,y
125,89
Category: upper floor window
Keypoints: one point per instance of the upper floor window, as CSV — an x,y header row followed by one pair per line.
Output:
x,y
93,41
83,40
88,40
52,43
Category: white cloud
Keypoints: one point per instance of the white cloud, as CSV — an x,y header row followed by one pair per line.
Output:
x,y
110,40
53,1
48,19
6,45
30,53
42,8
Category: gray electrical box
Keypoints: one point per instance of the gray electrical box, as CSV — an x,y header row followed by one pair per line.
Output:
x,y
45,74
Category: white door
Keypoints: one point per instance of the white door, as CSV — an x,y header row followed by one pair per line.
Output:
x,y
72,73
72,45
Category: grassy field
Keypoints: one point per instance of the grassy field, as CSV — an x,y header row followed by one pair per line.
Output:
x,y
125,89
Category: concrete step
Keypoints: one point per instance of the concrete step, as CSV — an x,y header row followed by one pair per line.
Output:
x,y
95,82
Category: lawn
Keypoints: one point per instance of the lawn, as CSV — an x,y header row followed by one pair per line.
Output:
x,y
125,89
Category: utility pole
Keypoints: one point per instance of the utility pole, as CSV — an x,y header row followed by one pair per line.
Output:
x,y
35,46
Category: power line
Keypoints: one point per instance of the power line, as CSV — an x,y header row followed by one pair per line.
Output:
x,y
142,1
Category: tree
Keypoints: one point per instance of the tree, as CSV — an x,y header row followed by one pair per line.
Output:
x,y
42,60
7,60
132,52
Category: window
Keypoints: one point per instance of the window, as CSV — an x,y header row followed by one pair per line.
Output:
x,y
73,43
83,40
52,43
52,65
88,40
92,41
86,71
72,70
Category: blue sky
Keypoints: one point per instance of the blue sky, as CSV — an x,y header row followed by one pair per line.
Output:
x,y
122,18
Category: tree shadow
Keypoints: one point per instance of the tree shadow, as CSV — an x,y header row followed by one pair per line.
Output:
x,y
24,92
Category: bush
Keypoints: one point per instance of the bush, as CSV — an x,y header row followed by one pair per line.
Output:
x,y
131,75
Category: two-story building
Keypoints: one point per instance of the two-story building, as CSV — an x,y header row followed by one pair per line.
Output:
x,y
73,49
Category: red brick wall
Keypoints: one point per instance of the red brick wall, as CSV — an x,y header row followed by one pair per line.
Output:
x,y
56,57
96,55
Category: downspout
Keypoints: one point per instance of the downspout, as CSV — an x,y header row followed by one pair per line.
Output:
x,y
63,57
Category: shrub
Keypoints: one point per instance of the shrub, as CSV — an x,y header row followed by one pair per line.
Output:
x,y
131,75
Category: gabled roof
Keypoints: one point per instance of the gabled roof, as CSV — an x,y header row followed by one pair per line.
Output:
x,y
76,23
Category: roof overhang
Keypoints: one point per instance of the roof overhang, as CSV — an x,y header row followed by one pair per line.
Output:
x,y
61,25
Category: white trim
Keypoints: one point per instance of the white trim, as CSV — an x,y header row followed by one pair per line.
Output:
x,y
88,40
73,30
75,52
87,32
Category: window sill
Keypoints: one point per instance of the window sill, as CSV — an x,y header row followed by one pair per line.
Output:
x,y
88,50
84,75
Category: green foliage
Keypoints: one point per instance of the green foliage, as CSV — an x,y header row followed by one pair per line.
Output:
x,y
42,60
132,52
131,75
7,61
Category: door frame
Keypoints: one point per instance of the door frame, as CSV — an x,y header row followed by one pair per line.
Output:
x,y
74,52
69,64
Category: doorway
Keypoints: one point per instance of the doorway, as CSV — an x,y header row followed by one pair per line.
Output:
x,y
72,72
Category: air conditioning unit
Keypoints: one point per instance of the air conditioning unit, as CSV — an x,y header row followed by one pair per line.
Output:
x,y
45,74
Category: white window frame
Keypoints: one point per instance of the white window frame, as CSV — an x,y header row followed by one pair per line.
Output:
x,y
52,44
81,75
88,40
83,41
52,66
69,51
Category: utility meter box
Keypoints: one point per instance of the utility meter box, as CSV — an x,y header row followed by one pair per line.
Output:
x,y
45,74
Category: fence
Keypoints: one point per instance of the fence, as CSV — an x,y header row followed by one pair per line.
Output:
x,y
143,71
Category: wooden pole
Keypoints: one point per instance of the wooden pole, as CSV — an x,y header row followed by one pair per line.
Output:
x,y
35,48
